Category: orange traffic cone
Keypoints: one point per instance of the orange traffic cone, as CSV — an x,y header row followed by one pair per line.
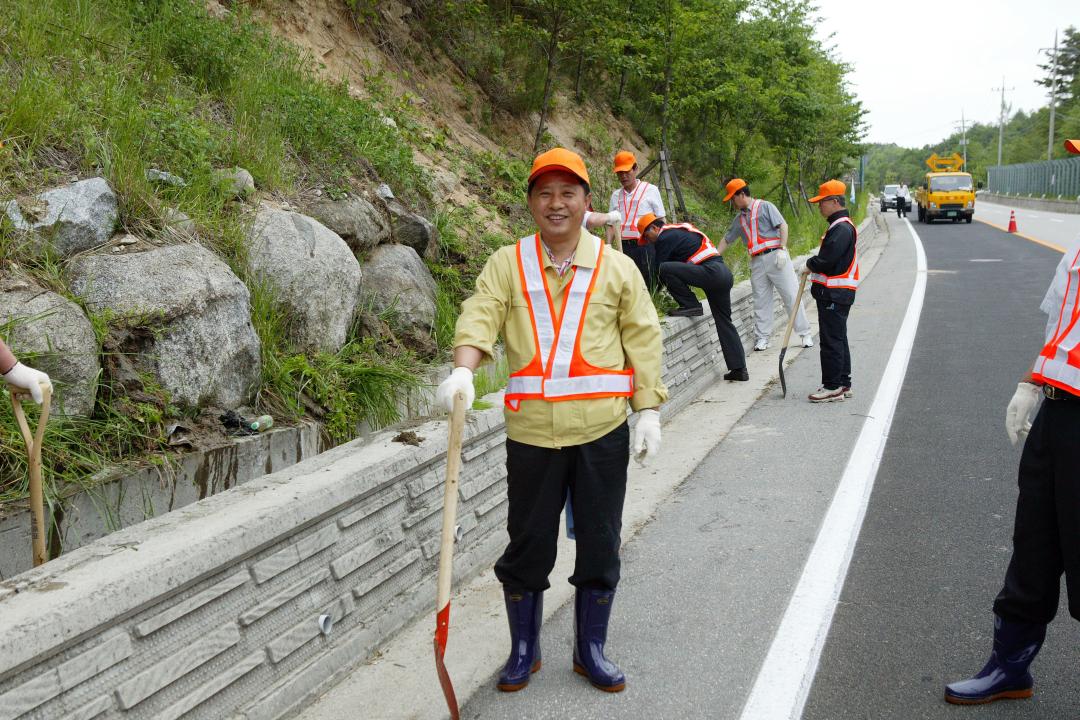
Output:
x,y
1012,221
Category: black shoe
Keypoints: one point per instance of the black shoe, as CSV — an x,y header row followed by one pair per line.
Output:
x,y
738,374
686,312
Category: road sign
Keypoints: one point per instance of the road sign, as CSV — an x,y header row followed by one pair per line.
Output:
x,y
936,163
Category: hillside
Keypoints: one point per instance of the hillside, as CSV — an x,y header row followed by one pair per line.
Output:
x,y
405,127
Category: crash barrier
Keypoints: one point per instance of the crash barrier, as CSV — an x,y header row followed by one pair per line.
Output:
x,y
1045,204
1047,179
249,603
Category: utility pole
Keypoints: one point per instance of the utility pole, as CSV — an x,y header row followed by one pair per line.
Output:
x,y
1053,100
1001,119
963,136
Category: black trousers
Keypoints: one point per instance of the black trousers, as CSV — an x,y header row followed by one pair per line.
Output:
x,y
537,481
716,280
901,207
1046,538
835,354
644,256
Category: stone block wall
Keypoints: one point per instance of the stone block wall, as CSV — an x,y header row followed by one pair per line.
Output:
x,y
213,610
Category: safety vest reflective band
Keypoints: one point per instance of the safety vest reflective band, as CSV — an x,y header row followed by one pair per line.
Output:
x,y
705,251
756,243
558,371
630,208
849,279
1059,362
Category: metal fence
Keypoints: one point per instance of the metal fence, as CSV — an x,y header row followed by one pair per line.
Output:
x,y
1052,178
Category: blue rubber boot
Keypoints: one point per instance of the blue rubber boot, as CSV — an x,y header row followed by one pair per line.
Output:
x,y
592,610
1006,673
525,611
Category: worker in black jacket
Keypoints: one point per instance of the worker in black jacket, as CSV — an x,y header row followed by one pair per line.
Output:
x,y
834,272
685,256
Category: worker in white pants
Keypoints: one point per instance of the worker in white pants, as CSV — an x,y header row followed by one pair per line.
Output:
x,y
760,224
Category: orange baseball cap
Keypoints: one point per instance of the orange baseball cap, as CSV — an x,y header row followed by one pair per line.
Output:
x,y
733,187
624,160
829,188
559,159
645,221
1073,146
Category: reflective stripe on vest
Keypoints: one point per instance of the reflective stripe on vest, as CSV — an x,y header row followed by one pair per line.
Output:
x,y
755,243
558,371
630,210
1059,362
849,279
704,251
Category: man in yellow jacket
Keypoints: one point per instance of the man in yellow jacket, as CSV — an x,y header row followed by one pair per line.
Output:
x,y
583,340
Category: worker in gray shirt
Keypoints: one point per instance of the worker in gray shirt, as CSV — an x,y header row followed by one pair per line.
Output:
x,y
761,225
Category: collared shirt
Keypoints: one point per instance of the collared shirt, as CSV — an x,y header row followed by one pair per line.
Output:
x,y
560,267
769,222
621,330
1055,294
642,200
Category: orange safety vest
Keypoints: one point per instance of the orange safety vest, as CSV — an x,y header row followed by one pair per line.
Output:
x,y
705,251
755,243
1059,362
630,208
849,279
558,371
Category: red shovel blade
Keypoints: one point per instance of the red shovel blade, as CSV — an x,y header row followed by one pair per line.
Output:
x,y
442,629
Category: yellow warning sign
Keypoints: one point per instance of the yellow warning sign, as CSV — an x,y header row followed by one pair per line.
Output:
x,y
936,163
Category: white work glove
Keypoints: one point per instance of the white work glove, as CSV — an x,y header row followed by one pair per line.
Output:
x,y
800,268
782,258
28,379
1018,416
459,380
614,218
646,436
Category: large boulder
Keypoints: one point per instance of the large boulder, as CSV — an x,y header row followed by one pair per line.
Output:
x,y
71,218
189,318
313,273
60,338
398,283
412,229
359,223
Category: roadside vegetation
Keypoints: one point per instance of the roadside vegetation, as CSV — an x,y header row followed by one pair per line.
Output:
x,y
115,87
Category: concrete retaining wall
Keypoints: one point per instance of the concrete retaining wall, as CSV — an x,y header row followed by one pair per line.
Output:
x,y
212,611
1061,205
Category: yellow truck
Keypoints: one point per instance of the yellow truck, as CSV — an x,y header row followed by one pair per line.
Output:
x,y
947,193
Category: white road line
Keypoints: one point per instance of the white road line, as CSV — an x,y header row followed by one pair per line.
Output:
x,y
784,680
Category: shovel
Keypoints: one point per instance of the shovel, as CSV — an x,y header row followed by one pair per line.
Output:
x,y
446,550
787,333
33,441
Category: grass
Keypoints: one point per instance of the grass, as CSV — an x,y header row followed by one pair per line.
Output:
x,y
115,87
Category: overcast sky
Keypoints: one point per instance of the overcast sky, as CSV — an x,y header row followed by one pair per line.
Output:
x,y
952,54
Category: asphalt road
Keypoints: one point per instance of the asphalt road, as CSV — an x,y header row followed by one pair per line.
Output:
x,y
706,582
915,611
1062,229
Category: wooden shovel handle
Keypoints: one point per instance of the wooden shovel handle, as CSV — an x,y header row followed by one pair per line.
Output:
x,y
794,310
34,441
450,501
